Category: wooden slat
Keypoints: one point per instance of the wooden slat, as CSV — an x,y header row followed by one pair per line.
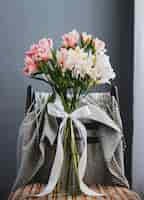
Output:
x,y
97,189
17,194
82,198
132,195
121,193
112,193
26,192
102,191
108,197
34,190
54,194
41,189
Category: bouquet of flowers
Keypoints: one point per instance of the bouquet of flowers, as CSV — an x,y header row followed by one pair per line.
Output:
x,y
71,70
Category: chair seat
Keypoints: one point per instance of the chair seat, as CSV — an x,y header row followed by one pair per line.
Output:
x,y
112,193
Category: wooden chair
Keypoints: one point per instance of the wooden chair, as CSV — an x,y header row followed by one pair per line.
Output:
x,y
113,192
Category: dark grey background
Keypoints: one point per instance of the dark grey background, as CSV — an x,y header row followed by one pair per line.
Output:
x,y
24,22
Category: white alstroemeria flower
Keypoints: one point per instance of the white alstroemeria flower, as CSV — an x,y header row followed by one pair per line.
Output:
x,y
84,61
76,57
87,64
102,71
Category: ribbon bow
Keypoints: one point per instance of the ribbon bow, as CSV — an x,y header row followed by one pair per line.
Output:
x,y
89,112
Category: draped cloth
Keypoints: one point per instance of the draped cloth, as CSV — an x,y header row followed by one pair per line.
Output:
x,y
39,130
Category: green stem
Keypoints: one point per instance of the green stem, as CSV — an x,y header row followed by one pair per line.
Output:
x,y
74,150
68,171
66,133
74,99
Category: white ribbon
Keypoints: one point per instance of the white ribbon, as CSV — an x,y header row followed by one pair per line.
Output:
x,y
86,112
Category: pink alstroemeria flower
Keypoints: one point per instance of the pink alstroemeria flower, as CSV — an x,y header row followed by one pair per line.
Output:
x,y
46,43
41,51
99,44
30,66
33,50
70,39
62,56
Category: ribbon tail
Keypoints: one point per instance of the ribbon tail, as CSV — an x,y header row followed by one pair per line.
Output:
x,y
83,162
57,165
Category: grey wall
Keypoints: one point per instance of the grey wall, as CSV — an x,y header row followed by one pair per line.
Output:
x,y
24,22
138,151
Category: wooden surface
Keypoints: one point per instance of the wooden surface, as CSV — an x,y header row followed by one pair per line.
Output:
x,y
112,193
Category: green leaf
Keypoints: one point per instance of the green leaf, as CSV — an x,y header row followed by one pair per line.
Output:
x,y
54,54
52,97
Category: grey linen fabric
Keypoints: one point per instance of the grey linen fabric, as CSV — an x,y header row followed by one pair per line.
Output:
x,y
105,164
